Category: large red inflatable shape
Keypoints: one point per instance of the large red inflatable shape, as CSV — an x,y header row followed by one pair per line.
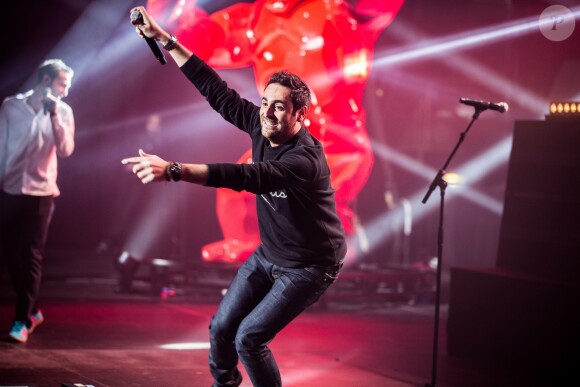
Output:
x,y
330,44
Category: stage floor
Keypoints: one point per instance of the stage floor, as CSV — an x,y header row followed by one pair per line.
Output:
x,y
96,336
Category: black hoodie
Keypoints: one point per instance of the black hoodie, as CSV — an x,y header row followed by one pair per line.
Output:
x,y
296,209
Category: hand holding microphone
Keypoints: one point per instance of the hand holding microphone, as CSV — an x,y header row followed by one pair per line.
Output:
x,y
137,20
49,103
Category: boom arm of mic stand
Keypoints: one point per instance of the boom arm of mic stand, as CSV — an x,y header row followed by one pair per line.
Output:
x,y
437,182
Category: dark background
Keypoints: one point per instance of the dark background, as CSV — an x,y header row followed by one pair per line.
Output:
x,y
118,85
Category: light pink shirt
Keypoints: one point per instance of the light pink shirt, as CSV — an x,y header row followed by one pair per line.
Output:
x,y
29,146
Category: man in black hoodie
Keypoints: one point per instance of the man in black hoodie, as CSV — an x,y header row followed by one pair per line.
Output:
x,y
302,239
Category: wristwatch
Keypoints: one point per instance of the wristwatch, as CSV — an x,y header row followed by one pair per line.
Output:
x,y
171,43
174,171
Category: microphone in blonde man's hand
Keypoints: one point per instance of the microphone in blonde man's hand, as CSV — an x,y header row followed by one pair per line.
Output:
x,y
49,102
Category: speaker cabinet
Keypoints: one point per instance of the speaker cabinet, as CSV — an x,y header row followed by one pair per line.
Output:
x,y
524,312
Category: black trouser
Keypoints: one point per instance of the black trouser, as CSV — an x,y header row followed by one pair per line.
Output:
x,y
24,222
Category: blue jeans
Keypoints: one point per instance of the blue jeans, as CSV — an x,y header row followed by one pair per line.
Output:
x,y
262,299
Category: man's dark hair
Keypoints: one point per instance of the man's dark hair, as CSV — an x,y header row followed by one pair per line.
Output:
x,y
299,94
52,67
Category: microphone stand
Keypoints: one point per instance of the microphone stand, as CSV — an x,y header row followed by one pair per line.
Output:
x,y
442,184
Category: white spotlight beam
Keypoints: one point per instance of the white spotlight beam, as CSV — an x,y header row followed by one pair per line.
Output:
x,y
474,170
386,225
85,38
489,78
484,75
465,40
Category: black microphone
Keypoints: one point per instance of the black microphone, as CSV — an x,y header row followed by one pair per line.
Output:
x,y
49,102
137,19
501,107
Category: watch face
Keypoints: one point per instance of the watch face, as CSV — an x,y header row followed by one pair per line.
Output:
x,y
175,171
